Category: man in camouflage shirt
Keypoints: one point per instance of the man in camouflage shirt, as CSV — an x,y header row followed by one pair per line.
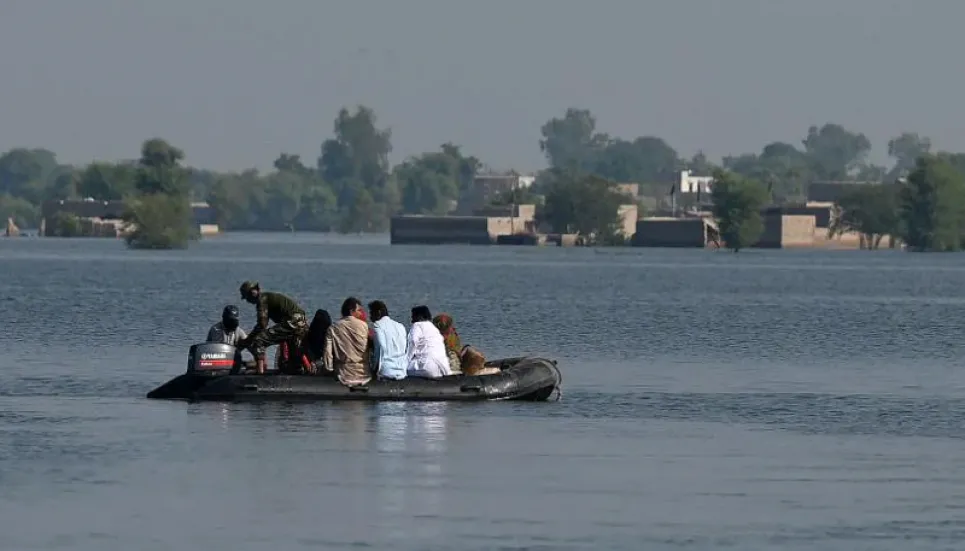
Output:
x,y
289,318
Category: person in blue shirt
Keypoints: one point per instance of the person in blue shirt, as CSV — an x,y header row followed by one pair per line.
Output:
x,y
389,359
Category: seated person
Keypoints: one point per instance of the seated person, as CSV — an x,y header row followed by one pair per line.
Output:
x,y
389,359
313,345
425,350
347,345
443,323
227,331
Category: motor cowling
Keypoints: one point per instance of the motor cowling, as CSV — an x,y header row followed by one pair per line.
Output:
x,y
212,358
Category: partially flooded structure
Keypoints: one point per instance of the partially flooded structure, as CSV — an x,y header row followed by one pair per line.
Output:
x,y
667,231
483,227
106,218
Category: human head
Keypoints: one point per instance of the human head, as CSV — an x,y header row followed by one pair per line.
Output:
x,y
321,320
443,322
421,313
350,305
250,291
378,310
318,328
230,317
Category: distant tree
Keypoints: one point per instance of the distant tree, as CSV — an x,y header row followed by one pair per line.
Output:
x,y
200,181
106,181
21,167
737,204
283,194
353,188
571,142
869,210
160,215
584,204
363,215
645,159
468,167
318,208
62,224
359,150
159,170
956,160
159,221
292,164
905,150
780,166
60,183
932,205
357,160
24,213
430,183
836,153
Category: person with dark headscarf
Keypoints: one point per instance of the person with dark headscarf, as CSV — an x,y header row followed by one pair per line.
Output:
x,y
313,345
450,336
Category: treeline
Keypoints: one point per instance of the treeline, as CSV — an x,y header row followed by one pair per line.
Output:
x,y
827,153
924,210
351,186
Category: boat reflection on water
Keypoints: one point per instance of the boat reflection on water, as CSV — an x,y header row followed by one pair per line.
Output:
x,y
411,444
385,462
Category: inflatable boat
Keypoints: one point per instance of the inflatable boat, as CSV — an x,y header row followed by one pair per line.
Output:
x,y
213,374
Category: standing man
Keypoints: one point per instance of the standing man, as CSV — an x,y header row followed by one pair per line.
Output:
x,y
289,318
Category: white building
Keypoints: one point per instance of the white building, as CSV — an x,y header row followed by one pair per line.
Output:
x,y
525,181
686,183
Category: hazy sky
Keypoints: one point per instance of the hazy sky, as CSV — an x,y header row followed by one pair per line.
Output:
x,y
235,82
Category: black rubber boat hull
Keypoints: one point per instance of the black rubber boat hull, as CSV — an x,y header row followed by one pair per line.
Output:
x,y
522,379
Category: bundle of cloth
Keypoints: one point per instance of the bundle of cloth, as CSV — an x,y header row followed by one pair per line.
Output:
x,y
462,359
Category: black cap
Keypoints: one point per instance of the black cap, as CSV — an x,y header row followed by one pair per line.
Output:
x,y
230,312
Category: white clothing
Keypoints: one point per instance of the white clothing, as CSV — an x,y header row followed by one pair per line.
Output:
x,y
426,352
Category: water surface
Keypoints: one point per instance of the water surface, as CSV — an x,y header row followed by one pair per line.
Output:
x,y
765,400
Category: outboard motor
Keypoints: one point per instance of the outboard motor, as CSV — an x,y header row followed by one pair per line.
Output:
x,y
213,359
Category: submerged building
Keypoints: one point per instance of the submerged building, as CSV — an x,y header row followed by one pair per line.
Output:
x,y
105,218
782,229
483,227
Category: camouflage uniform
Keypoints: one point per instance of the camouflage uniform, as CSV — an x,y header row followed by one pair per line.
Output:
x,y
290,323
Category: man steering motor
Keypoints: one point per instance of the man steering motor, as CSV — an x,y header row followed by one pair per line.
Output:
x,y
289,318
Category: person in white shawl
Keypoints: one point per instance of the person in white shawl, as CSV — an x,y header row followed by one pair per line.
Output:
x,y
425,349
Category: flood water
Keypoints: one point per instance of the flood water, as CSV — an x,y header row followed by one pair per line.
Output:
x,y
765,400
